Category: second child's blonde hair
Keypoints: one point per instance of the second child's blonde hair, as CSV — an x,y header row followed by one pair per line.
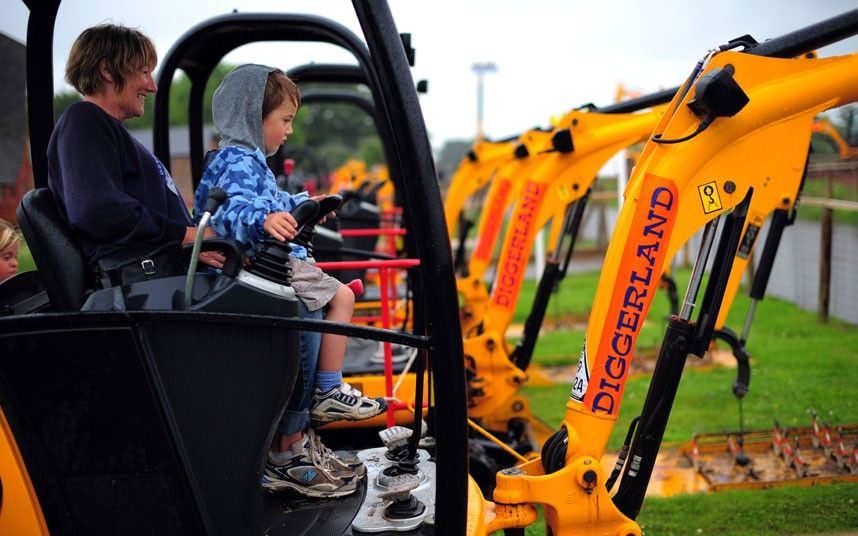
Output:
x,y
9,235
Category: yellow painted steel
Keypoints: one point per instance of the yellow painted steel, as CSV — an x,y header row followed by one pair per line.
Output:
x,y
20,512
549,185
781,193
506,186
669,186
561,179
474,172
771,132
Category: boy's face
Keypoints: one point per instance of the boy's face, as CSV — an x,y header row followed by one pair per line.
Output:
x,y
277,125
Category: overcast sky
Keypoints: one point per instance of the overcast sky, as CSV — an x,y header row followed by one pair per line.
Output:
x,y
551,55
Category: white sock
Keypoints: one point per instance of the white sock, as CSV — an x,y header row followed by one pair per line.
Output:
x,y
297,448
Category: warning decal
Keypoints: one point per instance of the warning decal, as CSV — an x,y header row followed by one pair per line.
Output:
x,y
709,197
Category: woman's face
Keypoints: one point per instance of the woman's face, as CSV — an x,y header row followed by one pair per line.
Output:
x,y
277,125
131,101
9,261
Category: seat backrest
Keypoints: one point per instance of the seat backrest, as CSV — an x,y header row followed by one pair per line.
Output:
x,y
58,256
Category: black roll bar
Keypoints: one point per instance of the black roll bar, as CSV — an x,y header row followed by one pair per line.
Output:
x,y
200,49
423,201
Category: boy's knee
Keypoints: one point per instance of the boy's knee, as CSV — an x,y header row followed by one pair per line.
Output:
x,y
344,299
349,297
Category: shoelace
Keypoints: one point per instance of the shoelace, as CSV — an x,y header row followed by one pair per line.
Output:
x,y
320,457
329,455
317,448
323,465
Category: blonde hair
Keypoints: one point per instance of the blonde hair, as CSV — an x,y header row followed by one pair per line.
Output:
x,y
121,49
9,235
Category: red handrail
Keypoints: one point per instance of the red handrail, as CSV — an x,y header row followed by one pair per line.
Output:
x,y
373,232
368,265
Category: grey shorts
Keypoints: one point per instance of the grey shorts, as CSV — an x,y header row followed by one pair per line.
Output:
x,y
312,285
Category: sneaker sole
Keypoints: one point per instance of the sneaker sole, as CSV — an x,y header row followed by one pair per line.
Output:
x,y
282,485
315,420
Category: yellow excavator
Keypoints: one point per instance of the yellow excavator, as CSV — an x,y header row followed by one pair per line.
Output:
x,y
824,128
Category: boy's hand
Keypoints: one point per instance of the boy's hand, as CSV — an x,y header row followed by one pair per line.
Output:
x,y
281,225
325,217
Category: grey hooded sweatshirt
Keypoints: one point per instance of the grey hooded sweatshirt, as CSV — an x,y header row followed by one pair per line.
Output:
x,y
237,107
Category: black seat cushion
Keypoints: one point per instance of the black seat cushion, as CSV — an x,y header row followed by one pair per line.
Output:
x,y
58,257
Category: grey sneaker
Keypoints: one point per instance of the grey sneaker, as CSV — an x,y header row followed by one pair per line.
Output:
x,y
312,472
343,403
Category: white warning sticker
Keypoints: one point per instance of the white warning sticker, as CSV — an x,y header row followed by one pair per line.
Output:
x,y
582,376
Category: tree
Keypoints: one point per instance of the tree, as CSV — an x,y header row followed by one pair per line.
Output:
x,y
450,156
337,131
63,100
333,131
180,91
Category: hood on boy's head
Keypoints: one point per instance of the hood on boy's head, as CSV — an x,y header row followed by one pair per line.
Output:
x,y
237,106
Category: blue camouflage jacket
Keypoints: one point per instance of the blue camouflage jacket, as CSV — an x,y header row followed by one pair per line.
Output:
x,y
252,194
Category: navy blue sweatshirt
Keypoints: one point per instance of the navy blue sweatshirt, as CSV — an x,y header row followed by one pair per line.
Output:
x,y
113,192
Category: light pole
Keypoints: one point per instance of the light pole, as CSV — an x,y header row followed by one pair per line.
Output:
x,y
480,69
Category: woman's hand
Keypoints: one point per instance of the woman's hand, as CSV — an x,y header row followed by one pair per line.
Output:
x,y
191,235
281,225
211,258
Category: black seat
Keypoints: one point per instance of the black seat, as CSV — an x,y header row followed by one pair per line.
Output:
x,y
58,256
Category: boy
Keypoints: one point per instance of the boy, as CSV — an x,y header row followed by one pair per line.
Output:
x,y
253,109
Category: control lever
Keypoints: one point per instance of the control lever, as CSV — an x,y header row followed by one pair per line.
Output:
x,y
305,233
305,212
270,262
215,199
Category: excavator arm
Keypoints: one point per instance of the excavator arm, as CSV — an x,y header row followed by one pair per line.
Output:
x,y
557,179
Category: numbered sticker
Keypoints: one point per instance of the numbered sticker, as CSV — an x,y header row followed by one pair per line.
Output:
x,y
582,376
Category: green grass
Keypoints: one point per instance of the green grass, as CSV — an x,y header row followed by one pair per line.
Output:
x,y
788,511
778,511
25,259
798,364
818,187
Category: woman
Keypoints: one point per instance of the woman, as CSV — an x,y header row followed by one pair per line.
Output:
x,y
113,191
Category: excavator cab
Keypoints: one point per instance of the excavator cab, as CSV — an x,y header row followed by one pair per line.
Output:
x,y
144,414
